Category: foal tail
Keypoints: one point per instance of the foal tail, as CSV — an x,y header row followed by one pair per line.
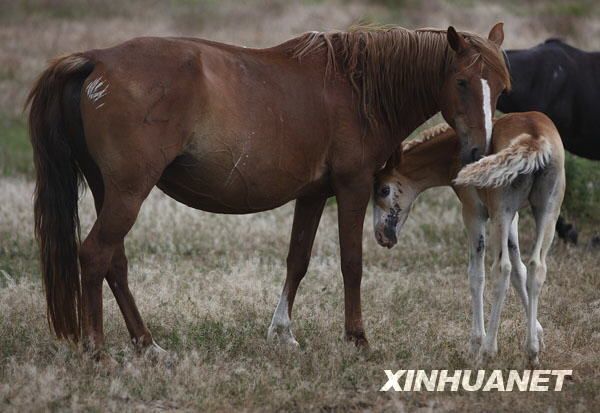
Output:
x,y
56,192
524,155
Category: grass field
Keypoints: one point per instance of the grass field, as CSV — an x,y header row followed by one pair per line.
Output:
x,y
207,284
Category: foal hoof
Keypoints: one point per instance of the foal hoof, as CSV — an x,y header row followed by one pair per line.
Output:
x,y
475,346
359,339
534,360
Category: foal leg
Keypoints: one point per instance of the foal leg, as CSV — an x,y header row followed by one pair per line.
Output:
x,y
353,199
307,214
500,273
518,276
476,237
545,220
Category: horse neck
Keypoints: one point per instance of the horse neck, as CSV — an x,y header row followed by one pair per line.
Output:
x,y
403,87
432,163
422,95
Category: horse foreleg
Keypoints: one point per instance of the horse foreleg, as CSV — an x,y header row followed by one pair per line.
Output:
x,y
352,204
307,214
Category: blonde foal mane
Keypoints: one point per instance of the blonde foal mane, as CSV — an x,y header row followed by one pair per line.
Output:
x,y
396,72
425,136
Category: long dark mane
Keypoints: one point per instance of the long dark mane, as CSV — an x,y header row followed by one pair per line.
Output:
x,y
397,73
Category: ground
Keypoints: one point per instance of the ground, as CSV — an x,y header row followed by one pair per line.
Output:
x,y
207,284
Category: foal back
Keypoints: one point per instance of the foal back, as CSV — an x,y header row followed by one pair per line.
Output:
x,y
526,164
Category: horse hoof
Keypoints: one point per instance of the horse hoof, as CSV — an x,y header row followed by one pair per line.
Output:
x,y
534,360
282,336
359,339
154,351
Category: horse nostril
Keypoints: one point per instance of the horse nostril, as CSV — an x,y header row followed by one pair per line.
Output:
x,y
475,155
390,233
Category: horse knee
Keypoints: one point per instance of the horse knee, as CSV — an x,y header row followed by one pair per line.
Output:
x,y
536,275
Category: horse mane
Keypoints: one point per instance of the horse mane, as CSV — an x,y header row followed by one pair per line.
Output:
x,y
426,135
396,72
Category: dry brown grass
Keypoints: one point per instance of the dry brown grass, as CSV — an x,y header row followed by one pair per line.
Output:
x,y
207,284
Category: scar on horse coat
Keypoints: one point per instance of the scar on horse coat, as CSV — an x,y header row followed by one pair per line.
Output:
x,y
526,166
235,130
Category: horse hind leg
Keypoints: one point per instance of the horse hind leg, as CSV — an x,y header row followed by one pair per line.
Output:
x,y
518,276
546,199
118,283
500,273
96,254
545,223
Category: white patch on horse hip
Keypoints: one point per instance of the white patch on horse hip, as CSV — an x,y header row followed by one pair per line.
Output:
x,y
487,114
96,90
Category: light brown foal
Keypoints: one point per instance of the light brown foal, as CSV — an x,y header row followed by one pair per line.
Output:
x,y
526,166
233,130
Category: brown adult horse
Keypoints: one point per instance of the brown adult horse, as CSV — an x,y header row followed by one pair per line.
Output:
x,y
234,130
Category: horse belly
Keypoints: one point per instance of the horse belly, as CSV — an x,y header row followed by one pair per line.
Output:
x,y
223,180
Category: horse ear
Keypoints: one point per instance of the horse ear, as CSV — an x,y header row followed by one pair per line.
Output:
x,y
496,35
456,41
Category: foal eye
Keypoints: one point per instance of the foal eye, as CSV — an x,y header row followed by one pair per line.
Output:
x,y
384,191
462,83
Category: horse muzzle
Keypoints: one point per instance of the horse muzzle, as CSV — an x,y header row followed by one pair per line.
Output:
x,y
386,236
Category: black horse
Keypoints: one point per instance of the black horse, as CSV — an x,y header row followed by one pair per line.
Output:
x,y
564,83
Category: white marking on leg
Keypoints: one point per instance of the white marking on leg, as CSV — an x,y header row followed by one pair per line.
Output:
x,y
487,114
96,90
281,324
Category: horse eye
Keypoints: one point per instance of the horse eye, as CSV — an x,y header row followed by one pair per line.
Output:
x,y
462,83
384,191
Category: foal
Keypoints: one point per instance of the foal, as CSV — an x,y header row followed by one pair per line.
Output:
x,y
526,164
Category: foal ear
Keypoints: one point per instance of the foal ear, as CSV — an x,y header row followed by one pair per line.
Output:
x,y
496,35
457,41
394,161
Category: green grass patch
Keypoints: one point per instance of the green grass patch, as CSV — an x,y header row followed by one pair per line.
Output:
x,y
15,150
582,196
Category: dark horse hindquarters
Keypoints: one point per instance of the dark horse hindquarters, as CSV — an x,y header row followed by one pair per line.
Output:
x,y
564,83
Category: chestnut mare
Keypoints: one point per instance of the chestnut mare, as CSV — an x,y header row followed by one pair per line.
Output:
x,y
233,130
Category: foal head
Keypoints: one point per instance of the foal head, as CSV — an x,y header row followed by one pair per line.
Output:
x,y
394,195
477,76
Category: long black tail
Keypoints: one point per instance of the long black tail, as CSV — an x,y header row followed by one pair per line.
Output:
x,y
56,193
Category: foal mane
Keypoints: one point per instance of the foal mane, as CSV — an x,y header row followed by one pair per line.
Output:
x,y
426,135
397,73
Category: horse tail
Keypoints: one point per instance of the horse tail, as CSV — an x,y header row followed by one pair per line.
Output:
x,y
524,155
57,191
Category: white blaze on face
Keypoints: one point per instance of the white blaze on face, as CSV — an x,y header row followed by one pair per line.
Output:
x,y
487,113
